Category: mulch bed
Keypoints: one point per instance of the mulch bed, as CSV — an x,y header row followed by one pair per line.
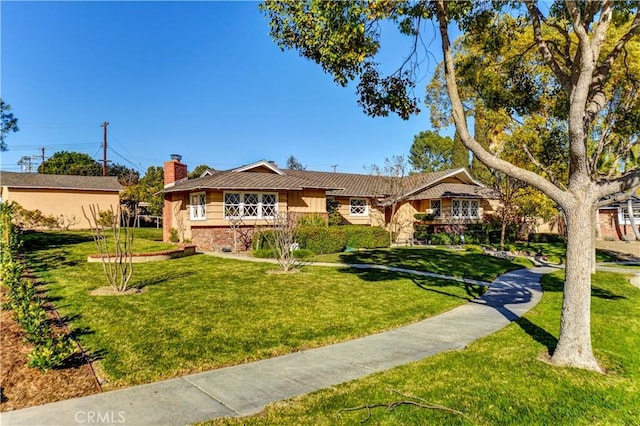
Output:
x,y
23,386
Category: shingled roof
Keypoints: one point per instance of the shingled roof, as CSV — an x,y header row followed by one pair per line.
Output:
x,y
65,182
358,185
450,190
336,184
234,180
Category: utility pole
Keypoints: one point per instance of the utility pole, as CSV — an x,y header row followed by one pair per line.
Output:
x,y
334,167
104,149
42,164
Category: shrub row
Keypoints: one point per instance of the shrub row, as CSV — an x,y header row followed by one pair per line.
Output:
x,y
480,233
545,238
333,239
22,298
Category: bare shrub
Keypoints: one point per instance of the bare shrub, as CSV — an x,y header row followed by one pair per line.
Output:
x,y
117,264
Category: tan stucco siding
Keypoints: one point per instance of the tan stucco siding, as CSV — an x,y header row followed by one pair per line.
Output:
x,y
62,204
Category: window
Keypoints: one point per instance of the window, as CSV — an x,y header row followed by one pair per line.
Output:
x,y
436,208
623,214
198,206
465,209
250,205
358,207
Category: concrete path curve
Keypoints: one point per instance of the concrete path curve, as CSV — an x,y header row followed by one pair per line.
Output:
x,y
245,389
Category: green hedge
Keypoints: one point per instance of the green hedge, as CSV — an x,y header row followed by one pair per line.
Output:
x,y
545,238
321,239
331,239
367,237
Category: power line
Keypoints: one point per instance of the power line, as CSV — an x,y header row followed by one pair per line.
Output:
x,y
135,166
122,146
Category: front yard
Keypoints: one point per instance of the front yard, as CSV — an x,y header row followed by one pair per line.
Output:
x,y
500,379
201,312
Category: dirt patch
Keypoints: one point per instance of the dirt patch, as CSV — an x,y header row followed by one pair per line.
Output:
x,y
23,386
109,291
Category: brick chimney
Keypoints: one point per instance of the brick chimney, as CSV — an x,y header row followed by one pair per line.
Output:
x,y
174,171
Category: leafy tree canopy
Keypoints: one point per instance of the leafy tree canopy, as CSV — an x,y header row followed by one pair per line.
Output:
x,y
72,163
430,152
77,163
198,171
8,123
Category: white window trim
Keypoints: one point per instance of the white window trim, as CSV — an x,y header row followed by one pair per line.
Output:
x,y
242,194
439,215
366,207
192,207
470,200
623,219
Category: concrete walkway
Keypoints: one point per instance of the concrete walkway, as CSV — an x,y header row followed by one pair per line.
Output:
x,y
245,389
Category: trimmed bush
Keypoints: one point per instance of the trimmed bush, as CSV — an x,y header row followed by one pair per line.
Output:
x,y
321,240
366,237
545,238
328,239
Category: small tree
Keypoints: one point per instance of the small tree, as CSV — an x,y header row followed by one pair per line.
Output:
x,y
281,239
391,192
117,265
241,232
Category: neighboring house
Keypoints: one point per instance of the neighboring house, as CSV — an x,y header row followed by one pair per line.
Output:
x,y
61,196
203,209
614,221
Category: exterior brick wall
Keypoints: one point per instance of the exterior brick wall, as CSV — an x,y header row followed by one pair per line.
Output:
x,y
609,227
210,238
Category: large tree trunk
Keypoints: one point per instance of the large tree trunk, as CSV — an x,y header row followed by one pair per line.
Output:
x,y
574,345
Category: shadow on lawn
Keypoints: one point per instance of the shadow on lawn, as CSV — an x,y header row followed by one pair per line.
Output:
x,y
160,278
554,283
439,261
423,283
34,240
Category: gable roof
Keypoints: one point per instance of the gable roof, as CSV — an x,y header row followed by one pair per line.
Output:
x,y
60,182
453,190
262,164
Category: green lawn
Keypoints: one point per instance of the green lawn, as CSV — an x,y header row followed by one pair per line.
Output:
x,y
202,312
457,263
500,379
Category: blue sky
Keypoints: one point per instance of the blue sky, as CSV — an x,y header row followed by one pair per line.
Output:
x,y
201,79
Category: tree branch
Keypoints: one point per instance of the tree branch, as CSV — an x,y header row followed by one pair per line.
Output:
x,y
457,110
395,404
616,198
546,53
602,72
630,181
